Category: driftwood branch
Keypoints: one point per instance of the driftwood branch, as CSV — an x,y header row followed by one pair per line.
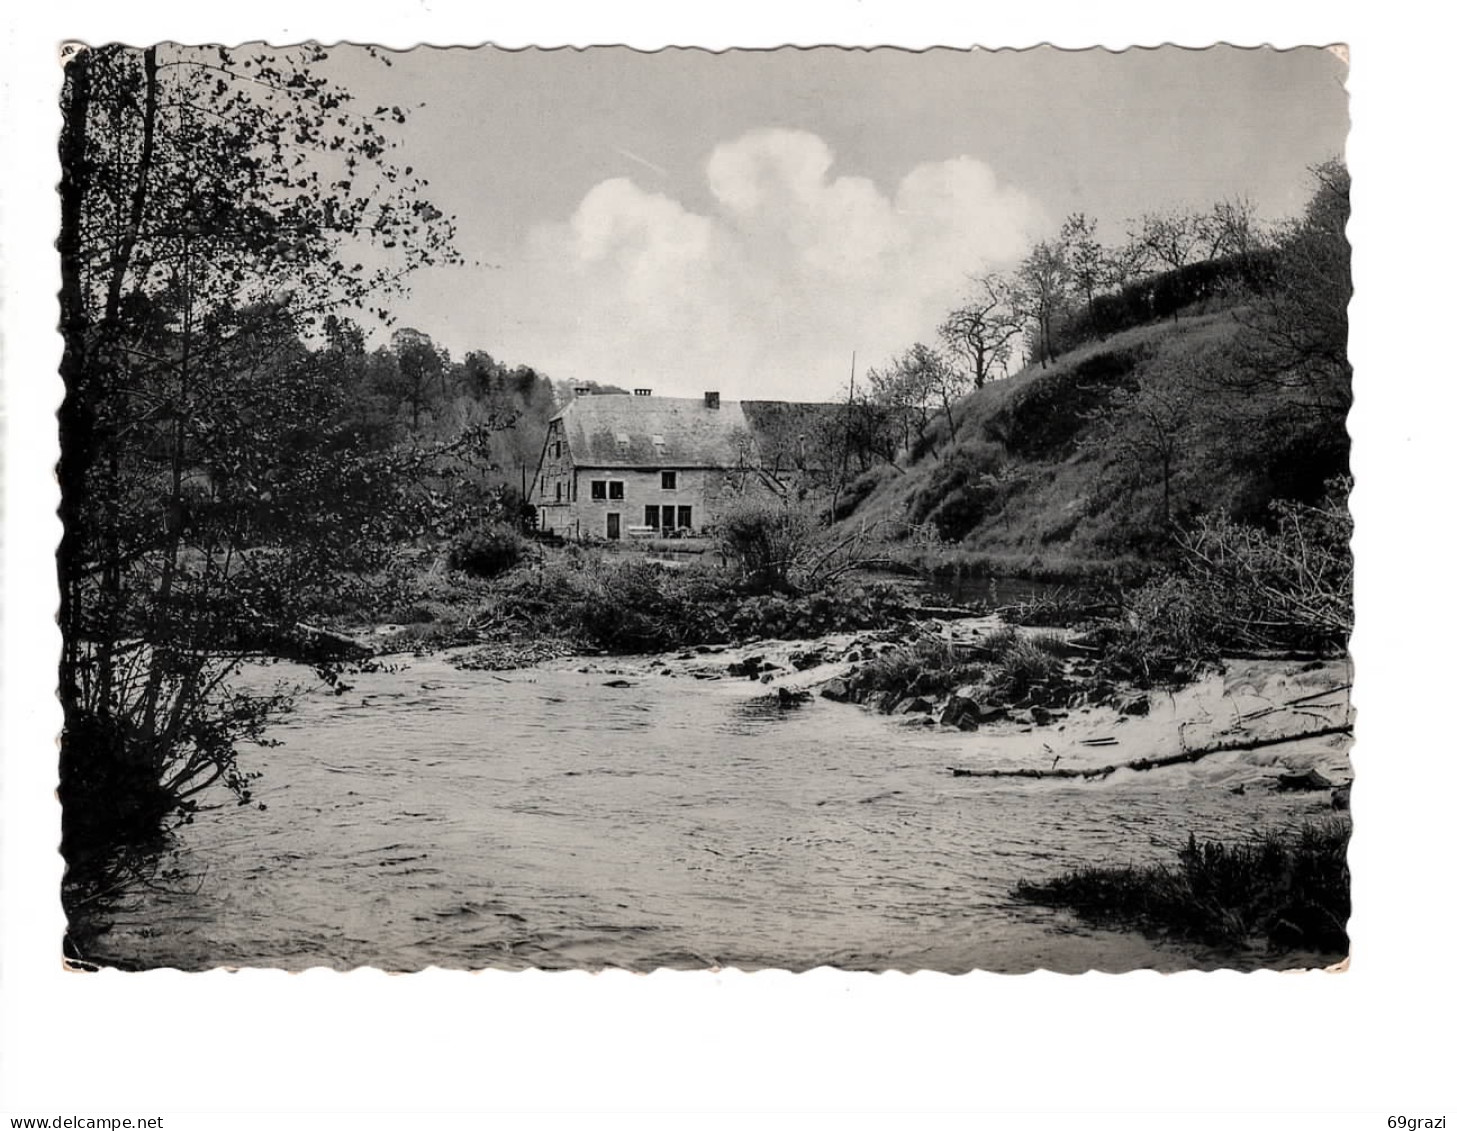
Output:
x,y
1140,764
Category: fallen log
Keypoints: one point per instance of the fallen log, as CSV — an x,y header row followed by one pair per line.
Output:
x,y
1142,764
947,612
1311,698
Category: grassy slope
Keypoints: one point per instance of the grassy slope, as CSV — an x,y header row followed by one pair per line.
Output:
x,y
1069,504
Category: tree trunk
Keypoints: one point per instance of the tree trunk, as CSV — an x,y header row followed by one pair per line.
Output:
x,y
77,416
111,576
1168,507
950,419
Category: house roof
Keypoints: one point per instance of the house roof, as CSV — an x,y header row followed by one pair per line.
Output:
x,y
791,434
621,430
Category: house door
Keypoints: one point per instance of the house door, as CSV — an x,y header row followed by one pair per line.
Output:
x,y
614,526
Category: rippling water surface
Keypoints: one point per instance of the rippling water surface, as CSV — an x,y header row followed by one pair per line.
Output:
x,y
433,816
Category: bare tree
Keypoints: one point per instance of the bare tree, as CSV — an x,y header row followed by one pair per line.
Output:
x,y
1231,228
1150,425
1087,259
946,382
906,390
1172,239
1042,286
888,393
980,332
1126,265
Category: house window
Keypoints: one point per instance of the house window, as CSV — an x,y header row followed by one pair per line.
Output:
x,y
599,488
614,489
670,481
685,517
558,492
650,517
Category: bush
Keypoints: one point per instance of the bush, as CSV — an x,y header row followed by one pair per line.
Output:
x,y
1008,665
1290,586
764,539
999,641
488,551
1026,662
1290,890
1240,587
839,608
963,490
1045,418
858,490
1170,629
609,604
636,606
927,666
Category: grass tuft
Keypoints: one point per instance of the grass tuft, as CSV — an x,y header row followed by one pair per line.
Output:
x,y
1288,891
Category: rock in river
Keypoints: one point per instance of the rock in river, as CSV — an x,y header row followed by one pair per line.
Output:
x,y
1305,780
912,705
962,713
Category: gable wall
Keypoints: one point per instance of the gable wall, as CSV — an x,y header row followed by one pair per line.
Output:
x,y
552,488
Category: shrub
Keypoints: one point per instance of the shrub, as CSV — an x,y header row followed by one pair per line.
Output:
x,y
927,666
963,490
1288,586
1171,627
1024,663
610,604
1240,587
1287,890
763,539
636,606
858,490
1000,640
487,551
838,608
1045,418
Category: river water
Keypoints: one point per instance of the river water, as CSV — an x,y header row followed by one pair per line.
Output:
x,y
540,818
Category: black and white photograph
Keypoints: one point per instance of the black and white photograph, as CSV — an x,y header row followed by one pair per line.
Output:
x,y
839,565
871,509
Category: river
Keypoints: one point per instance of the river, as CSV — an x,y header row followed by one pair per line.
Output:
x,y
540,818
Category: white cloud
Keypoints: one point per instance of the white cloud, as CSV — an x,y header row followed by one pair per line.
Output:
x,y
767,294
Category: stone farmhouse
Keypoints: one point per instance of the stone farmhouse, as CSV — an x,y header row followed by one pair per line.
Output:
x,y
618,465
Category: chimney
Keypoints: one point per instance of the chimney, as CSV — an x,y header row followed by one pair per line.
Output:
x,y
710,400
642,392
581,391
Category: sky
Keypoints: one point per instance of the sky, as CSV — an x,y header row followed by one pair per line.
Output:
x,y
750,221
